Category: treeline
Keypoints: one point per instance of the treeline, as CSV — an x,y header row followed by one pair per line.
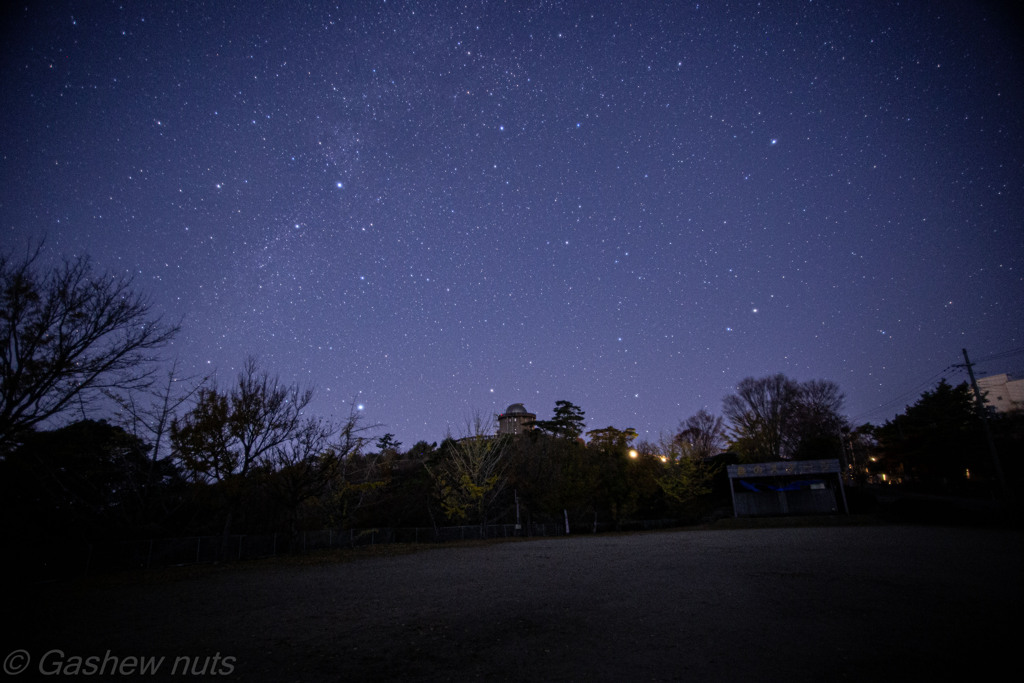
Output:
x,y
244,460
946,444
187,456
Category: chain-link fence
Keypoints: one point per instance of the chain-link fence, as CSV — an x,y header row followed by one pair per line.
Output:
x,y
67,558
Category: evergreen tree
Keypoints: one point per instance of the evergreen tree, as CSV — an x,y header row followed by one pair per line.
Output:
x,y
567,422
938,441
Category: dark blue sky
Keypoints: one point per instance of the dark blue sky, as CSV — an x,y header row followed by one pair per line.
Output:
x,y
441,208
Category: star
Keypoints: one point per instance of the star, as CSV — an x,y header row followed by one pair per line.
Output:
x,y
366,221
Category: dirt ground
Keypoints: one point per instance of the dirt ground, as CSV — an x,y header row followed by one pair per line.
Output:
x,y
794,604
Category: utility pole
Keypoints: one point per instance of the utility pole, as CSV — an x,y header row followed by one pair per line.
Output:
x,y
983,413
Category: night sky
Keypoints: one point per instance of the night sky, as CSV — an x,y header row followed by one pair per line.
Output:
x,y
440,208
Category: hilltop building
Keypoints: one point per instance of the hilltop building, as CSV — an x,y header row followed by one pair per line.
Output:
x,y
1001,393
515,420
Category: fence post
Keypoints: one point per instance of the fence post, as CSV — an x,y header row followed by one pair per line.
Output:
x,y
199,540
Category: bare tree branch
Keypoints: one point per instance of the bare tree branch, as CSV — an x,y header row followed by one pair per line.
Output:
x,y
67,335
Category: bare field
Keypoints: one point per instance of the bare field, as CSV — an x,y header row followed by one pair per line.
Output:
x,y
794,604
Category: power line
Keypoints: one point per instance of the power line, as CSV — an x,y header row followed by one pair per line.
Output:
x,y
999,356
914,391
1013,370
954,367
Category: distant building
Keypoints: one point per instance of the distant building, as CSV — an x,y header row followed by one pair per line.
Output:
x,y
515,420
1001,393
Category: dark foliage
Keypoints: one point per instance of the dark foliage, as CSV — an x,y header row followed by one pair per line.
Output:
x,y
67,336
937,443
89,480
567,421
776,418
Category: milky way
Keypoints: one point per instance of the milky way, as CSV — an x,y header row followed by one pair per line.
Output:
x,y
432,209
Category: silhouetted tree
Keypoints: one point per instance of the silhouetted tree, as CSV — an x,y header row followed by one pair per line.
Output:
x,y
310,462
406,500
772,418
227,435
611,438
65,336
701,436
148,414
89,479
624,479
387,446
358,487
567,421
549,475
814,427
938,441
757,415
